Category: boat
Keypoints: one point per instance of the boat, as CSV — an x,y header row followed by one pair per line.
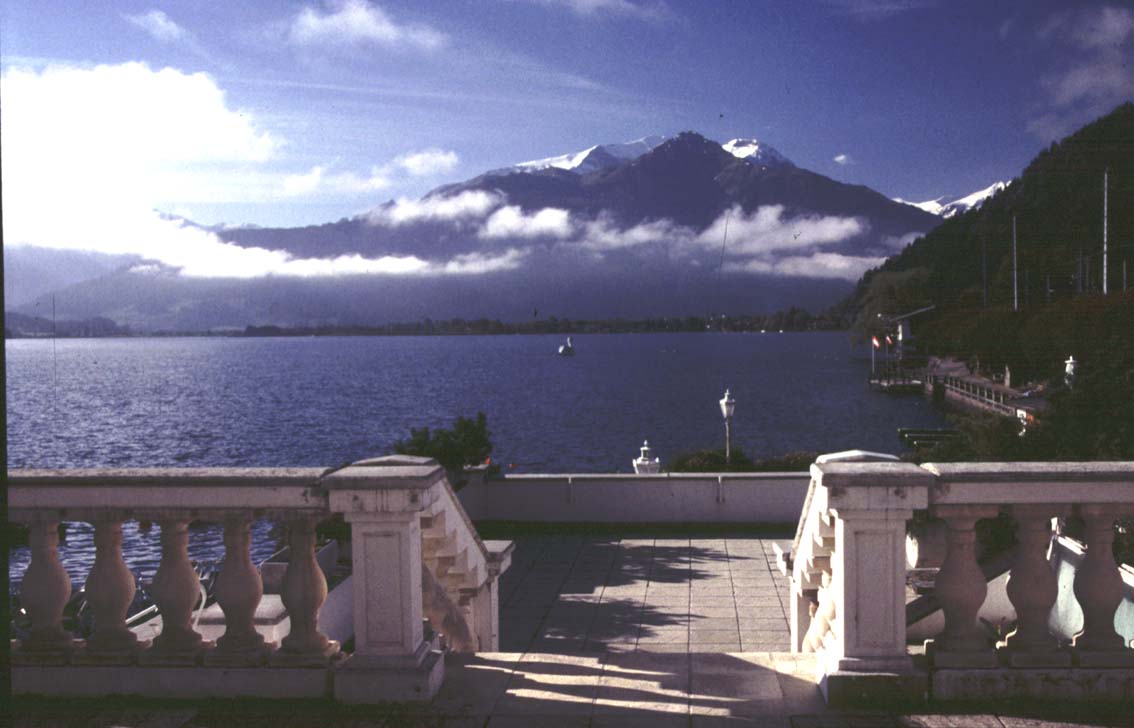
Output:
x,y
567,349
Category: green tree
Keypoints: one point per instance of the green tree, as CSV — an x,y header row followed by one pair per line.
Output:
x,y
467,443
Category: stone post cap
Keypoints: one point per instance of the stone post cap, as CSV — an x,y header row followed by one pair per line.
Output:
x,y
856,456
858,480
392,472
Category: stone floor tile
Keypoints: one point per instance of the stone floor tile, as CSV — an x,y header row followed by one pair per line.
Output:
x,y
714,612
662,647
949,721
473,683
542,721
710,623
642,719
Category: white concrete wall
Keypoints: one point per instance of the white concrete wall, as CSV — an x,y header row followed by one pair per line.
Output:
x,y
617,498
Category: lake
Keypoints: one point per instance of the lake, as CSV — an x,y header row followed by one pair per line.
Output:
x,y
324,401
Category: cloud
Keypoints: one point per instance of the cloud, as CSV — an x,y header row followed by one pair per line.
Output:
x,y
843,159
816,265
341,183
428,162
602,234
464,205
871,10
511,222
766,230
657,10
109,136
159,26
481,263
358,22
90,152
1096,76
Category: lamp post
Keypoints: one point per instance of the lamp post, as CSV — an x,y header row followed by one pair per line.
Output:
x,y
728,406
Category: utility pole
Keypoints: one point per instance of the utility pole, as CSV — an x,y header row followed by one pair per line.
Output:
x,y
1015,282
1106,172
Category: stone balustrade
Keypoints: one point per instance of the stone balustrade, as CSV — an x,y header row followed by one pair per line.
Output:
x,y
383,499
849,581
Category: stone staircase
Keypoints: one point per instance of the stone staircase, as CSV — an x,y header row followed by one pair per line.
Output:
x,y
460,573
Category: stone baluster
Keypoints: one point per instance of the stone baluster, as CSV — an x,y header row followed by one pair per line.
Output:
x,y
1098,588
1033,589
110,591
44,593
176,589
961,589
239,589
303,592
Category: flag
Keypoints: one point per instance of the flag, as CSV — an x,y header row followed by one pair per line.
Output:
x,y
874,340
889,341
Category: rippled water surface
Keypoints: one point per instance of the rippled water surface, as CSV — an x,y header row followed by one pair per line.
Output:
x,y
326,401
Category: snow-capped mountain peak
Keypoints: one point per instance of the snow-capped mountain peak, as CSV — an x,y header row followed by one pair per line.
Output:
x,y
594,158
958,206
754,151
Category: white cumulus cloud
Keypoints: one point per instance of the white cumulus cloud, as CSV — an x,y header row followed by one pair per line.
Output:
x,y
816,265
318,181
843,159
471,204
354,22
429,162
511,222
159,25
603,234
766,230
90,152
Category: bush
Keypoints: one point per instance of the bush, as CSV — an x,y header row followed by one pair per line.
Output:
x,y
467,443
710,461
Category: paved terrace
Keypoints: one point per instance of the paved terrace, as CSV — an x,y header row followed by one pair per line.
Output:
x,y
577,595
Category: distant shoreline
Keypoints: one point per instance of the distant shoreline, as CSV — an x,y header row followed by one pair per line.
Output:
x,y
794,321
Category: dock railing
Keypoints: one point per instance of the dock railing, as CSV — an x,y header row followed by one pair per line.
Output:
x,y
383,500
849,580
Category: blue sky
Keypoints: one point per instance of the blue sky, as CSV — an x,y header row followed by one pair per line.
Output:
x,y
288,113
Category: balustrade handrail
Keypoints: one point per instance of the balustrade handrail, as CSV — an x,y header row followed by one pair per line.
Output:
x,y
849,566
384,500
149,493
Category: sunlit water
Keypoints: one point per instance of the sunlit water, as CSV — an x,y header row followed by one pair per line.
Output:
x,y
326,401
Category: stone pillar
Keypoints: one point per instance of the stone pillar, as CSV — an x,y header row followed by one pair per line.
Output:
x,y
1098,588
239,589
110,591
44,593
868,591
387,587
176,589
961,589
303,592
382,500
1033,589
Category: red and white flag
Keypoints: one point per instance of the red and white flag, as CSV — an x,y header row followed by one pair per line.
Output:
x,y
874,340
889,341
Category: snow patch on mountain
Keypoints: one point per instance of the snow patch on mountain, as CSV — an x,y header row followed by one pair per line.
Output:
x,y
958,206
594,158
754,151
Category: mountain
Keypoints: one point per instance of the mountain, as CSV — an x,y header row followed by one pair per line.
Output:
x,y
655,227
594,158
1055,208
959,205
